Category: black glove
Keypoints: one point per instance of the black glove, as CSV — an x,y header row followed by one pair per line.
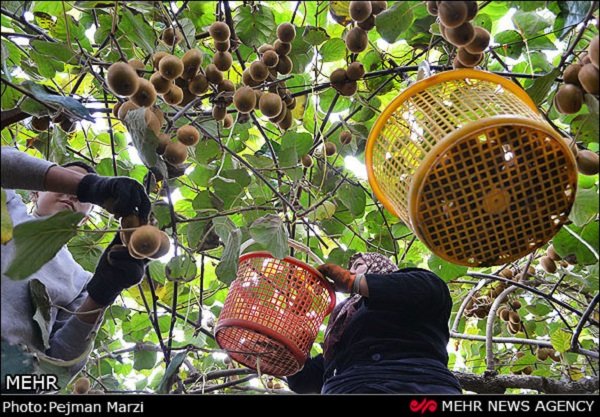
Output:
x,y
119,195
116,271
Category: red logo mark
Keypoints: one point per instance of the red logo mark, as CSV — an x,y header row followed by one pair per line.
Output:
x,y
424,406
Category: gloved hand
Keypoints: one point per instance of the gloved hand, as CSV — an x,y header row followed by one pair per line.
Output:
x,y
116,271
119,195
342,278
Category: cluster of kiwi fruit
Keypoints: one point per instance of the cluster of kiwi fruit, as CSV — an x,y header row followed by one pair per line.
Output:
x,y
277,102
455,25
40,124
545,353
548,261
143,240
363,14
579,78
83,386
516,274
508,313
345,80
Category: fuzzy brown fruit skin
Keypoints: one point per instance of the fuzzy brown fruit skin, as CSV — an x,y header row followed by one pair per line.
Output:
x,y
129,222
282,48
548,264
348,88
480,42
589,77
356,40
432,8
286,122
170,67
228,121
213,74
368,24
145,96
285,65
137,65
124,109
330,149
571,74
244,99
307,161
157,57
174,96
461,35
345,137
587,162
219,31
225,86
160,83
188,135
338,76
247,78
116,107
259,71
223,46
452,13
593,51
198,85
171,36
514,317
378,7
82,386
40,123
163,248
219,113
286,32
472,9
163,141
355,71
191,63
360,10
551,253
270,59
122,79
270,104
568,99
175,153
223,61
468,59
145,240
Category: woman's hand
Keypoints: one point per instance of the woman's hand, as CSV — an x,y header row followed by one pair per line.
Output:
x,y
342,278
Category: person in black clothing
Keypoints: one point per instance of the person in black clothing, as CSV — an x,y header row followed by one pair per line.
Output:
x,y
390,336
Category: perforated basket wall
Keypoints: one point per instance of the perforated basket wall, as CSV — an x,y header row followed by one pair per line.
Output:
x,y
465,159
272,313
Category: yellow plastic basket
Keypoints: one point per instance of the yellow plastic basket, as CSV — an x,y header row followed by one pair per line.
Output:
x,y
465,159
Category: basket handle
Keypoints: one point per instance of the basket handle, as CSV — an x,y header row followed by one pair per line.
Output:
x,y
293,244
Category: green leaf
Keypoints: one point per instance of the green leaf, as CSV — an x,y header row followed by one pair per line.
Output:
x,y
510,43
444,269
56,50
571,13
314,36
302,53
227,269
586,128
86,251
68,103
585,208
339,11
53,8
271,233
392,22
566,244
227,190
144,359
530,23
353,198
38,241
167,379
538,91
42,304
255,25
137,30
6,222
144,139
333,50
181,268
561,340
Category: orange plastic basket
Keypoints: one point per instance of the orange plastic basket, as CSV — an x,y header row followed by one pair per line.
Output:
x,y
273,311
467,162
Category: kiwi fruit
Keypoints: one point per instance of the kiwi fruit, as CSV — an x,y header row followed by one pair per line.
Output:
x,y
500,310
175,153
129,222
587,162
145,96
286,32
548,264
568,99
360,10
285,65
589,77
452,13
280,116
145,240
345,137
244,99
265,47
188,135
174,96
356,40
468,59
171,36
125,107
163,248
259,71
213,74
571,74
551,253
338,77
137,65
287,120
541,354
191,63
348,89
571,259
432,8
472,9
223,60
116,107
379,6
456,64
41,123
198,85
258,95
270,104
81,386
367,24
480,42
270,59
593,51
330,148
152,121
292,104
247,78
157,57
355,71
514,317
122,79
507,273
505,315
170,67
282,48
163,140
461,35
219,31
228,121
219,113
307,161
160,84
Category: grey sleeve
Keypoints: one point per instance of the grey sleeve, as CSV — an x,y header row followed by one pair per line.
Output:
x,y
21,171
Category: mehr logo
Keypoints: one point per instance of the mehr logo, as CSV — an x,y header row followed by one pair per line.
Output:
x,y
423,406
